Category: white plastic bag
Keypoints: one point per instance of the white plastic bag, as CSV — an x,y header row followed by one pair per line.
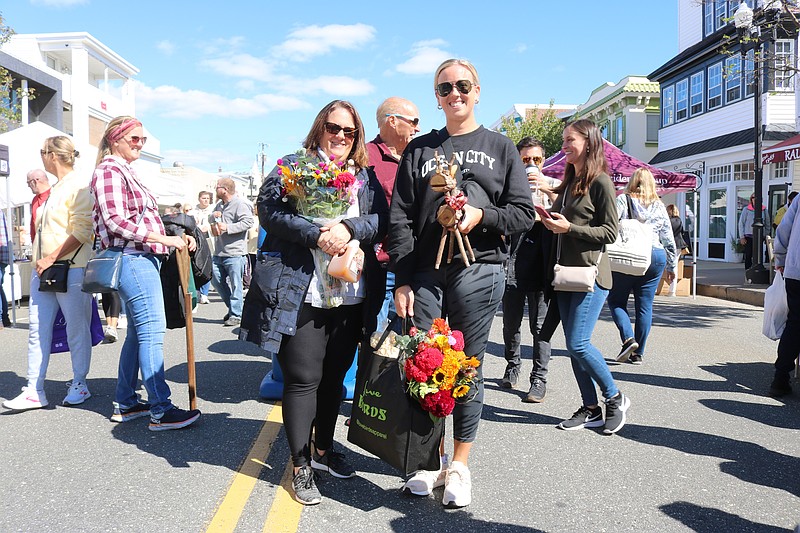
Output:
x,y
776,308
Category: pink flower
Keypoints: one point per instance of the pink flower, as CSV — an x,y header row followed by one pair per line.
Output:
x,y
439,404
428,358
279,162
413,331
458,345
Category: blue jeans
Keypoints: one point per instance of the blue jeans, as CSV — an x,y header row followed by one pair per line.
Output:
x,y
579,314
3,299
644,291
227,280
387,312
203,289
140,290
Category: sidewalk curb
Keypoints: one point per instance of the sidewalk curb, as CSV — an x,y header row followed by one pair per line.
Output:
x,y
735,294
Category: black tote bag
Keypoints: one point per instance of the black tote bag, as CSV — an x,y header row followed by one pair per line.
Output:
x,y
387,422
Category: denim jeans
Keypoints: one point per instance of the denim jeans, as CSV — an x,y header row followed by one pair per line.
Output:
x,y
227,280
387,312
43,307
140,291
579,314
513,311
3,299
644,291
203,289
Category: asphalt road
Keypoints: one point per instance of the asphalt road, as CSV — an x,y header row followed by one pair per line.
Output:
x,y
704,449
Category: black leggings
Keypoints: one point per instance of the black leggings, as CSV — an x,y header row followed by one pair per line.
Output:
x,y
314,362
111,305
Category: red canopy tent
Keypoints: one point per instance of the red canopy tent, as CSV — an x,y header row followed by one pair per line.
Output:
x,y
621,167
788,150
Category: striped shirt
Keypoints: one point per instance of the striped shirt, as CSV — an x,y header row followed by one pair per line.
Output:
x,y
120,199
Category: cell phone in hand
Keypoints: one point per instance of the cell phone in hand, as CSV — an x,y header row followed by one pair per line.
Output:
x,y
544,213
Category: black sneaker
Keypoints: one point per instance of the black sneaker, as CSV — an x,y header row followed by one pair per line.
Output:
x,y
122,414
780,388
537,391
510,377
635,359
583,418
305,488
627,349
333,462
615,413
173,419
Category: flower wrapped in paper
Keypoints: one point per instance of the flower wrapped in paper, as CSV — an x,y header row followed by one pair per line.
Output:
x,y
322,191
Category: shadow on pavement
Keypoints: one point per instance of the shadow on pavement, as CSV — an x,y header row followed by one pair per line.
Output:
x,y
779,416
746,461
224,381
752,378
709,520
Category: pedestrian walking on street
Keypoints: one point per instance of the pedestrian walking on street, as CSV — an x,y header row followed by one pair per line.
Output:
x,y
202,217
315,335
491,175
584,219
745,227
787,263
527,280
233,217
63,232
126,217
648,208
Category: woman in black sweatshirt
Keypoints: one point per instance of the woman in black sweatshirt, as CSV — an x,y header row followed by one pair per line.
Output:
x,y
492,176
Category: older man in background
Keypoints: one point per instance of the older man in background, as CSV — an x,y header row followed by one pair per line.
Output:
x,y
230,220
398,122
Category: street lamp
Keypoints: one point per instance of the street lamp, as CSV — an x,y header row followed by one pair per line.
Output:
x,y
751,38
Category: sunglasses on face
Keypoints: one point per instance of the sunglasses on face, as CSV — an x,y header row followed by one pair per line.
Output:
x,y
536,160
446,87
44,152
135,139
413,121
334,129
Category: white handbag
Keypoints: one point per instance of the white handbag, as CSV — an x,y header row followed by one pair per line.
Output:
x,y
631,252
574,278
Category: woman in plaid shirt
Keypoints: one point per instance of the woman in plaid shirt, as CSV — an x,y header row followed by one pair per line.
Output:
x,y
126,216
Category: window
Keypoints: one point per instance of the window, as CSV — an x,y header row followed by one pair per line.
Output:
x,y
733,79
708,20
719,174
720,13
743,171
604,130
714,86
742,199
717,213
696,94
783,74
652,128
619,131
667,106
681,100
749,73
780,170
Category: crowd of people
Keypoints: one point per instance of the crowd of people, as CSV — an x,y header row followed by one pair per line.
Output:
x,y
520,225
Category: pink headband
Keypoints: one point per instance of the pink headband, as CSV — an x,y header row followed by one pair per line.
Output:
x,y
120,131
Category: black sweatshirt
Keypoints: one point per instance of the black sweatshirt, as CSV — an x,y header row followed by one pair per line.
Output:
x,y
491,175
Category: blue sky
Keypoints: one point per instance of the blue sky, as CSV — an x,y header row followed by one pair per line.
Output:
x,y
218,78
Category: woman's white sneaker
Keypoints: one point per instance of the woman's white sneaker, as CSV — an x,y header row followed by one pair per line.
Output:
x,y
457,486
77,393
29,399
423,482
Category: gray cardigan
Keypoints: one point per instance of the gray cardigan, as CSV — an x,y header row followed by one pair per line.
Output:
x,y
593,224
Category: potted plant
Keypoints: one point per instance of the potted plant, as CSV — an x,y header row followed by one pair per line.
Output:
x,y
738,249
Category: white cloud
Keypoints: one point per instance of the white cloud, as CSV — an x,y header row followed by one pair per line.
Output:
x,y
520,48
240,66
207,158
171,101
223,45
245,86
59,3
425,57
310,41
166,47
342,86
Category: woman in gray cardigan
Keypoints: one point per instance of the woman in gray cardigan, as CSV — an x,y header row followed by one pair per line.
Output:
x,y
585,221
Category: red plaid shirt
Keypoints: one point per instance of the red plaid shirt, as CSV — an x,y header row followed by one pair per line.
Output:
x,y
120,198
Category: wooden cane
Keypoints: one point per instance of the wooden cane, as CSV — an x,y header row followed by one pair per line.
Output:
x,y
184,271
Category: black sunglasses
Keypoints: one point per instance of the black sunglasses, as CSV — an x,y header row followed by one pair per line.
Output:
x,y
446,87
413,121
334,129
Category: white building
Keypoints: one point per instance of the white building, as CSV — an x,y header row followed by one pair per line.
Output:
x,y
707,119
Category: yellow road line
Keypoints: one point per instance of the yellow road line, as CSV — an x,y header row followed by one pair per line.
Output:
x,y
284,515
230,510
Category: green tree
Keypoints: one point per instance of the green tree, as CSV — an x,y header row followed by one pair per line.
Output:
x,y
544,125
10,109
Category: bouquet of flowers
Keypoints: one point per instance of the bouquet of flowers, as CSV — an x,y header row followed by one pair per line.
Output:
x,y
321,191
437,372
